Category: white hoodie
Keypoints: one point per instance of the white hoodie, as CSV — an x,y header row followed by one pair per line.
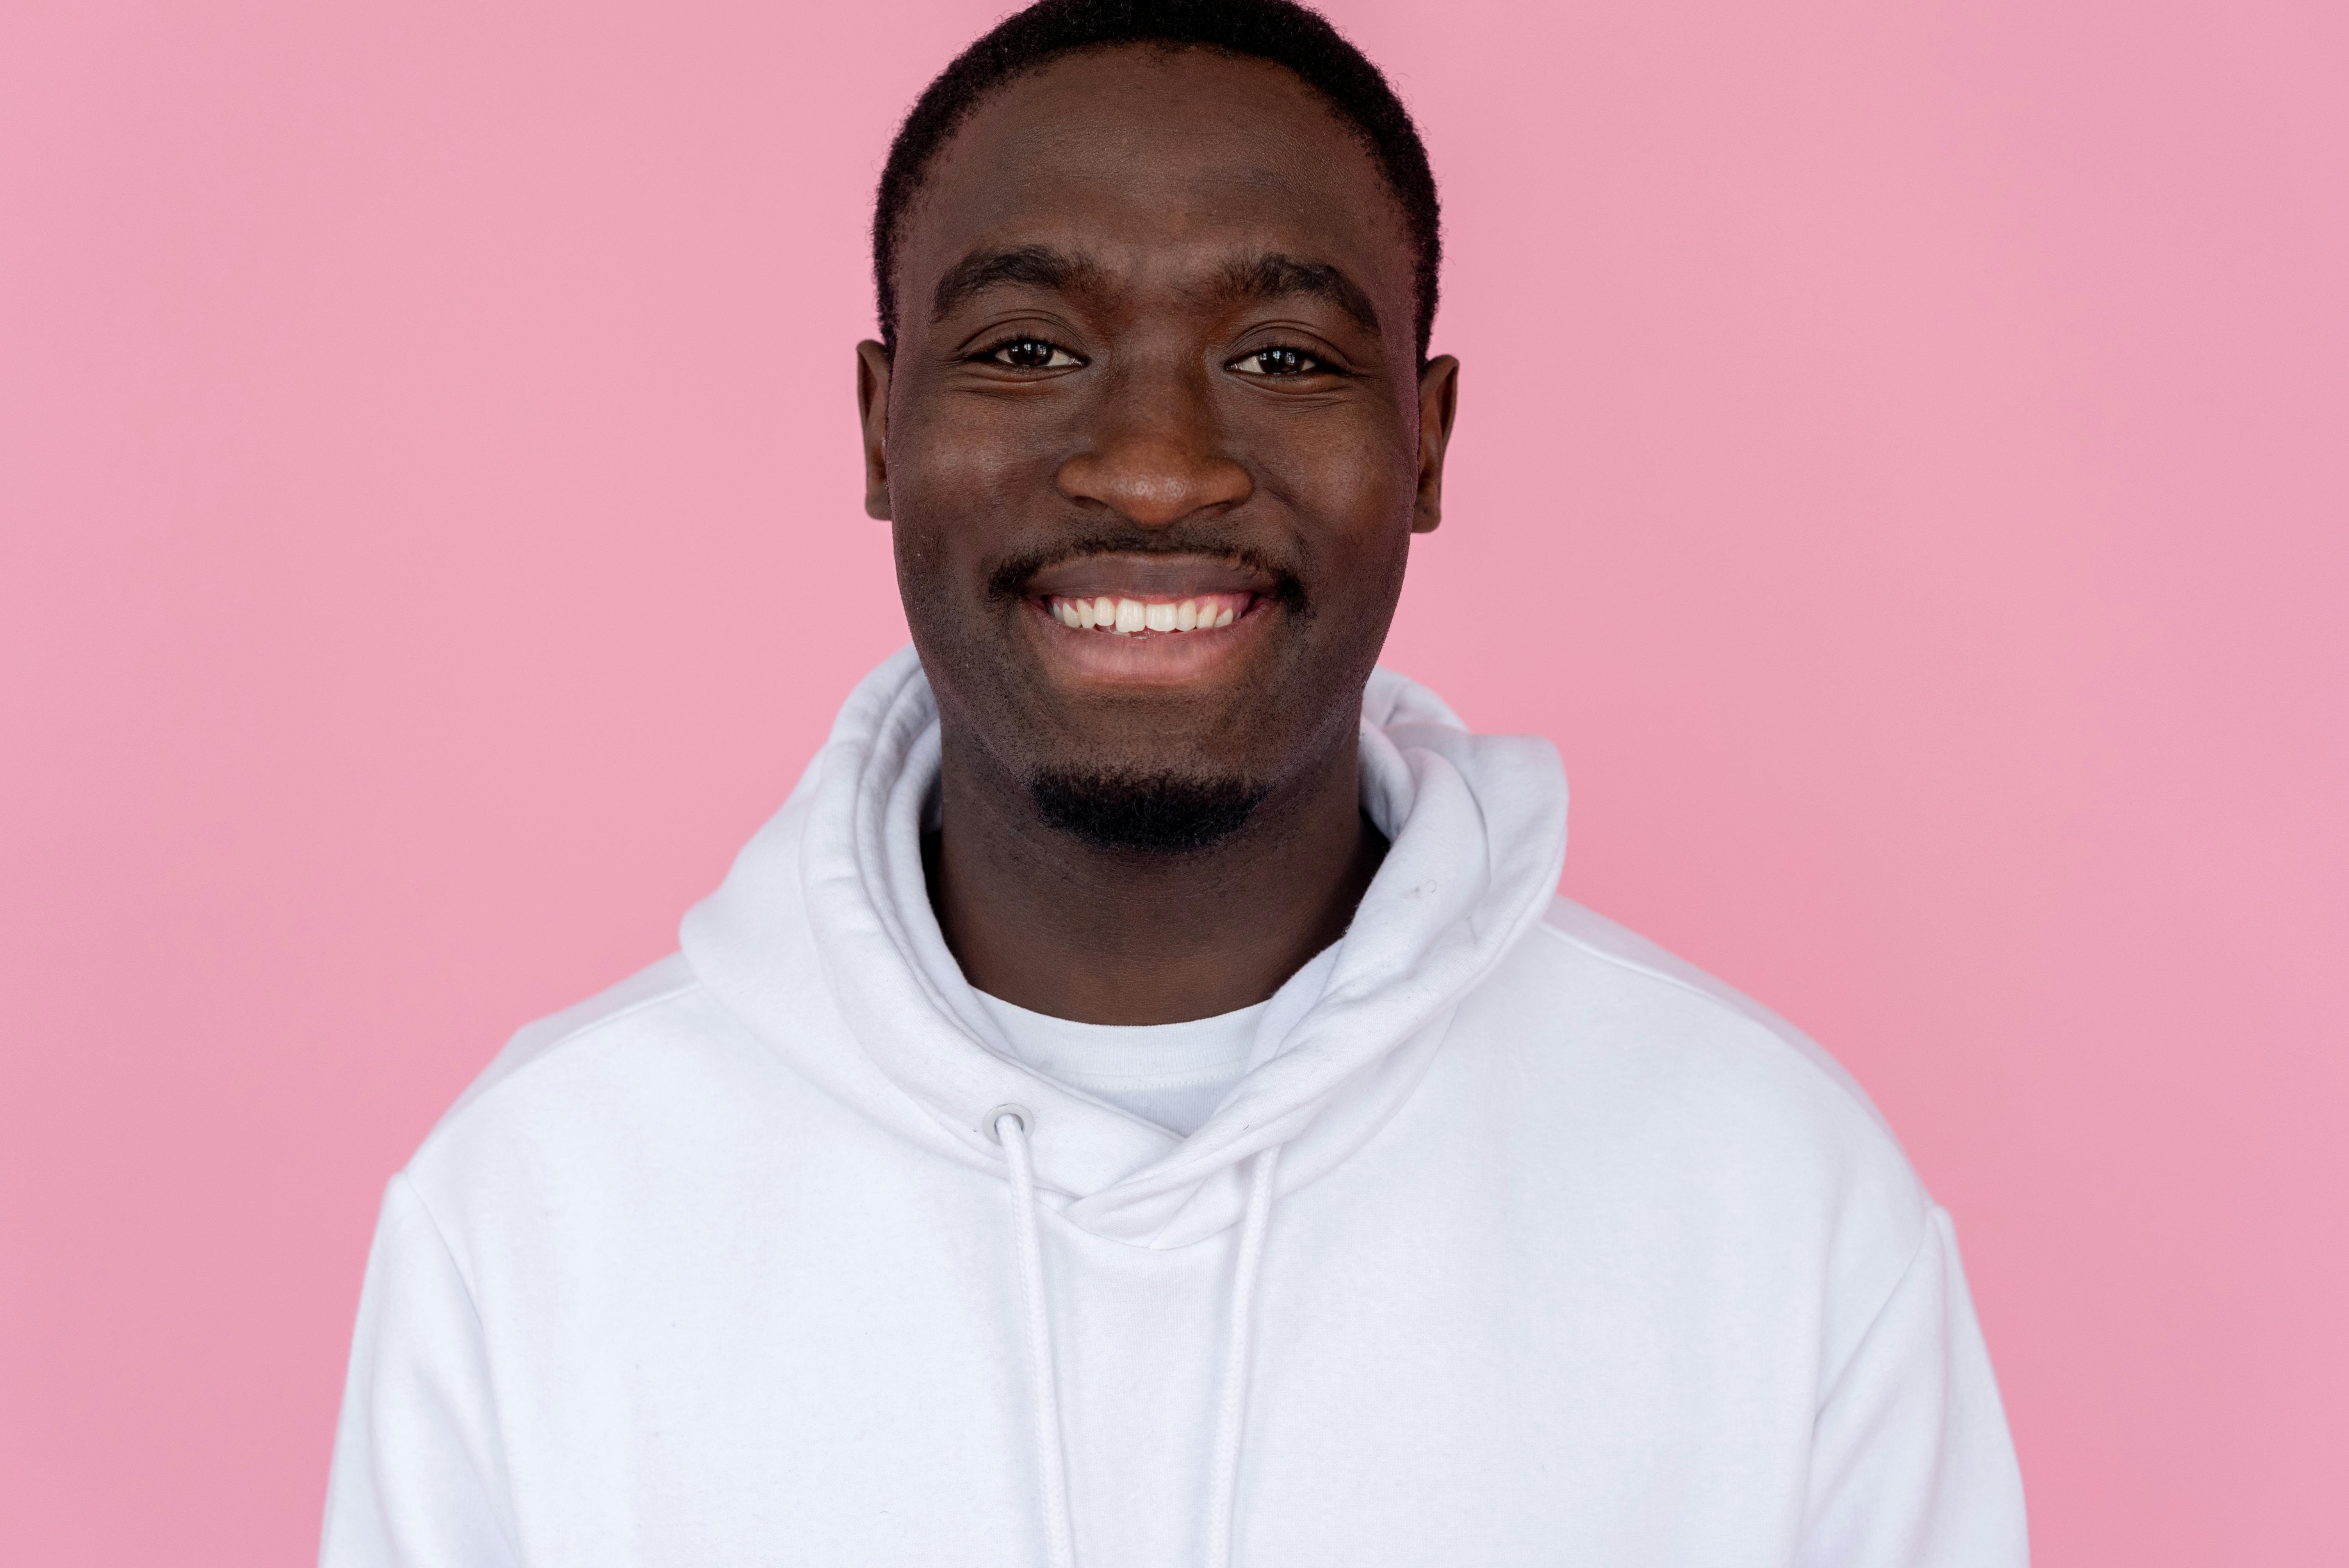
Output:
x,y
1519,1242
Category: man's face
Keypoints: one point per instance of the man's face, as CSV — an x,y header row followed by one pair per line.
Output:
x,y
1153,440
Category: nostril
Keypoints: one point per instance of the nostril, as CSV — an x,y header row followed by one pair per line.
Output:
x,y
1154,483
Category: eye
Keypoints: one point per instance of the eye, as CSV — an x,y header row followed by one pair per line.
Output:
x,y
1278,362
1030,354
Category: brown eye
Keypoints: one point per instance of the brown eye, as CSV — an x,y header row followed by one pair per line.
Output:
x,y
1276,362
1031,354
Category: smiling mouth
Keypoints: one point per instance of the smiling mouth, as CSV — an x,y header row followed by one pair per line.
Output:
x,y
1130,619
1120,616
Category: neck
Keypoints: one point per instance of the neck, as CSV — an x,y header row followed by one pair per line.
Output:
x,y
1045,921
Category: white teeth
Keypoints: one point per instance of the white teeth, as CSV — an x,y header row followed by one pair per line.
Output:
x,y
1127,616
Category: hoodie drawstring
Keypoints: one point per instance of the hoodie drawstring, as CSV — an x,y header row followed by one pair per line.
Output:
x,y
1232,1418
1010,1125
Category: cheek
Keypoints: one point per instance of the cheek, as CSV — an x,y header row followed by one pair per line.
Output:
x,y
959,471
955,458
1351,479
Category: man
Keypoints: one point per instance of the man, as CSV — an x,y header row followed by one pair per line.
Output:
x,y
1142,1102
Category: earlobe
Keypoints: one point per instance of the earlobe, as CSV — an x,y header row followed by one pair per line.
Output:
x,y
873,415
1438,401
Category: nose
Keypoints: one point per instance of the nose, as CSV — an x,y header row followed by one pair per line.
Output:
x,y
1157,462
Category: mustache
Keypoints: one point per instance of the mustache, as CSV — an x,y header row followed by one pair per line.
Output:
x,y
1009,579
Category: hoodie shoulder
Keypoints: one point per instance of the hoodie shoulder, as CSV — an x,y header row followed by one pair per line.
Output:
x,y
651,1074
1597,939
645,990
632,1066
1662,1069
1633,1050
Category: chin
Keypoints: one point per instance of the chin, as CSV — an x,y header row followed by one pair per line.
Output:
x,y
1144,812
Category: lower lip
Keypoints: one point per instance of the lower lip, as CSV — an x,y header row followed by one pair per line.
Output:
x,y
1148,658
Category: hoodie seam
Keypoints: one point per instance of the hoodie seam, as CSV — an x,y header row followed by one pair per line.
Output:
x,y
568,1038
415,1190
1630,966
433,1221
1927,1238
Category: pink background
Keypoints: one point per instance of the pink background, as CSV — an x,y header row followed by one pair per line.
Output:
x,y
1904,463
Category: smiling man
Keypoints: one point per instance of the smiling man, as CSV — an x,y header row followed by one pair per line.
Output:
x,y
1141,1102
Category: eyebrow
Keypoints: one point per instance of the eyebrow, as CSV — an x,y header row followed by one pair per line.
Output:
x,y
1277,276
1271,276
1039,266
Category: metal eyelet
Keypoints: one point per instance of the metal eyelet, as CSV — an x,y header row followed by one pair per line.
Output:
x,y
1021,1113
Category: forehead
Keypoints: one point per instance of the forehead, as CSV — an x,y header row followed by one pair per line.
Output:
x,y
1156,163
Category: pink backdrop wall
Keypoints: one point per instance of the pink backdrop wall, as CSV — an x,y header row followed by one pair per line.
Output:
x,y
1902,464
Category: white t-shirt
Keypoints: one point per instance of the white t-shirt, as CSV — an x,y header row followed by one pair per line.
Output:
x,y
1170,1075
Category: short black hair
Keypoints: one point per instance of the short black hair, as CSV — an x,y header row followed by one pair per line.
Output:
x,y
1281,31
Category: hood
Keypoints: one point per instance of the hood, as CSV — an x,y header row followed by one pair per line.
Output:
x,y
828,902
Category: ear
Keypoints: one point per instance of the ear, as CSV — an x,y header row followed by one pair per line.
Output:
x,y
873,414
1439,400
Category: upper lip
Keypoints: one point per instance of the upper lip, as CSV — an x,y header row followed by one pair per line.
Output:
x,y
1132,575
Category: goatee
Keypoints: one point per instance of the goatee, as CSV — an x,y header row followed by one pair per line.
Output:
x,y
1151,814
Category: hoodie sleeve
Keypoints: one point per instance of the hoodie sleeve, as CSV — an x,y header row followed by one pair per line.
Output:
x,y
419,1476
1911,1466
